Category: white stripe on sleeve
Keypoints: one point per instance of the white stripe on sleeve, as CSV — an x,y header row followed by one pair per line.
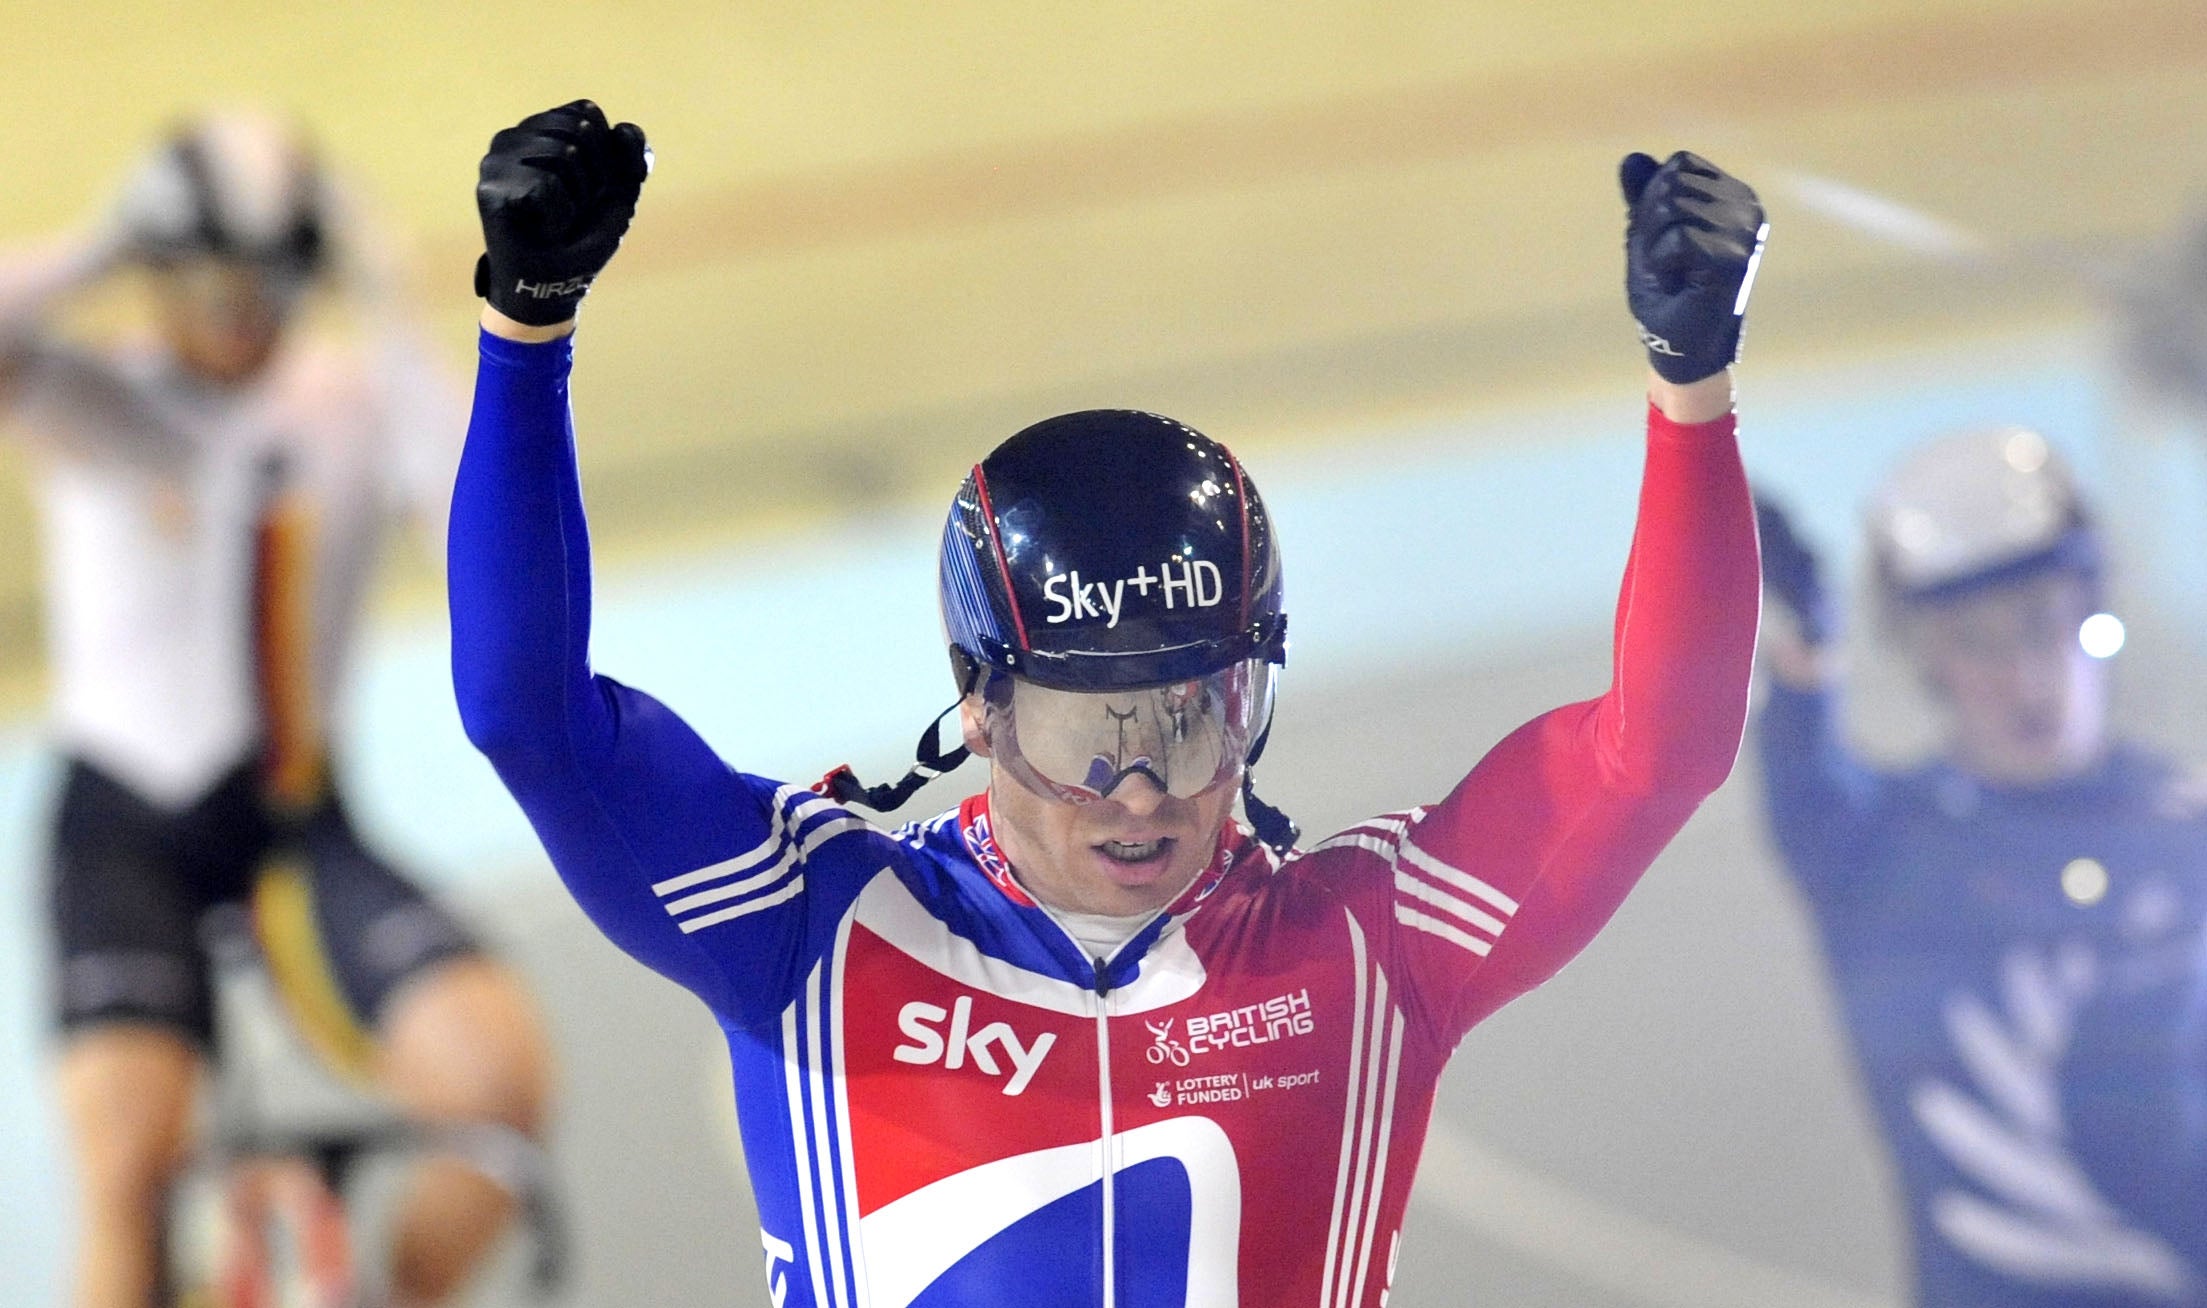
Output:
x,y
1412,918
1457,878
1448,903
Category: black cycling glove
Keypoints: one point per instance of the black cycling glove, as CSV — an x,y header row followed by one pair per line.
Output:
x,y
556,193
1693,236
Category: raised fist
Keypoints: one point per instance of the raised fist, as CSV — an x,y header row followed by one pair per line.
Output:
x,y
556,193
1693,236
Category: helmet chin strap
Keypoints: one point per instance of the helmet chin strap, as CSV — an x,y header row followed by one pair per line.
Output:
x,y
931,760
1272,826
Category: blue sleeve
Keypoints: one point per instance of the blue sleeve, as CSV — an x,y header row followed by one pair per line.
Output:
x,y
1822,801
652,833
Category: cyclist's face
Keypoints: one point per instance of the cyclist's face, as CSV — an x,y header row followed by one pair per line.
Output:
x,y
223,318
1132,852
2027,705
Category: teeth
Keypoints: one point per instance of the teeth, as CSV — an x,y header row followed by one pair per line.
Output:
x,y
1132,852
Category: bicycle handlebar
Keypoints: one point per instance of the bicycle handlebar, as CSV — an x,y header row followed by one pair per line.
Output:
x,y
505,1156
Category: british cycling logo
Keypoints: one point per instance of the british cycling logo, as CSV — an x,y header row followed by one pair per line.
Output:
x,y
1163,1048
1281,1017
919,1021
1278,1018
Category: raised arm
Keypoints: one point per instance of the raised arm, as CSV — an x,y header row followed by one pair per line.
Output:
x,y
64,398
35,281
1545,836
1564,815
623,794
1816,792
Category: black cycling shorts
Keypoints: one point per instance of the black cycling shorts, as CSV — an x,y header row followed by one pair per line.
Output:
x,y
132,884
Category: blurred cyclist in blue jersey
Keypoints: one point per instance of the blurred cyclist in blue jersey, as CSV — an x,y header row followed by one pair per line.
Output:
x,y
2013,928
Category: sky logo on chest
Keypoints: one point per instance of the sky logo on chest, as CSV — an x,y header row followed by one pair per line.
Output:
x,y
926,1043
1175,585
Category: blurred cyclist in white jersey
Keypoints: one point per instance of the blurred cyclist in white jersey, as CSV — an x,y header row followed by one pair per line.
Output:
x,y
213,491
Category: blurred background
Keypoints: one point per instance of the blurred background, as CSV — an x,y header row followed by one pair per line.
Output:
x,y
1373,247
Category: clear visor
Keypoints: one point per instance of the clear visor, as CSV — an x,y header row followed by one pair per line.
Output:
x,y
1184,737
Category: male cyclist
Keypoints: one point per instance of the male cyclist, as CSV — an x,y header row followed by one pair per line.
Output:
x,y
213,493
2013,927
1086,1038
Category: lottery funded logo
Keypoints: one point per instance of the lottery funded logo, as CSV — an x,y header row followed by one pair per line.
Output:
x,y
1225,1088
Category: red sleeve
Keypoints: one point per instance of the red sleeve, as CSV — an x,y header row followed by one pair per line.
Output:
x,y
1495,888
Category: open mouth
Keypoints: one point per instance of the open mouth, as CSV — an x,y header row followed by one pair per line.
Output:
x,y
1131,851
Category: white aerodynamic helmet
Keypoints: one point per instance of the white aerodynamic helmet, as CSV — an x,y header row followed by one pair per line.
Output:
x,y
237,184
1978,508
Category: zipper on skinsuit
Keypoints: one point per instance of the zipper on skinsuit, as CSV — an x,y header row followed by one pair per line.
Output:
x,y
1103,1086
1101,972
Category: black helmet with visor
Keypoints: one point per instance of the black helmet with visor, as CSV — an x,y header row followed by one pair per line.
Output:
x,y
1111,585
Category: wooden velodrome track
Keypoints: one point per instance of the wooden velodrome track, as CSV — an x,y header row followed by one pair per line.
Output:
x,y
877,241
879,235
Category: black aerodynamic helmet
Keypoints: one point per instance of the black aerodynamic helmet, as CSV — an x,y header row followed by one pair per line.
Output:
x,y
1108,550
1115,551
236,184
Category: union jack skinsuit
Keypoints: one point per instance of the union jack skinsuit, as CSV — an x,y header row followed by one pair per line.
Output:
x,y
943,1099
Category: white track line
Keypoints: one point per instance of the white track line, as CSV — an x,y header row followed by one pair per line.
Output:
x,y
2099,264
1884,218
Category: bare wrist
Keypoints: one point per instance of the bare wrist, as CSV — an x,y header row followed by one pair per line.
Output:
x,y
1691,402
498,324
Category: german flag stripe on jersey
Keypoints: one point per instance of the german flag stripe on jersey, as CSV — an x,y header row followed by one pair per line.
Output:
x,y
295,773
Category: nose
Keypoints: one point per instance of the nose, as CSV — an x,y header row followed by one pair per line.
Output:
x,y
2034,676
1139,794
